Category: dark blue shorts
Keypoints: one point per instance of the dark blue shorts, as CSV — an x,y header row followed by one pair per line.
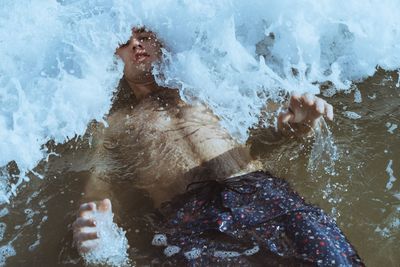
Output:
x,y
253,219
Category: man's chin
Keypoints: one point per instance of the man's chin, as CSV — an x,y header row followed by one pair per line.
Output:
x,y
143,77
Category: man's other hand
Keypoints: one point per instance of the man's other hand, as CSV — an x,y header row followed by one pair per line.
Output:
x,y
85,226
303,113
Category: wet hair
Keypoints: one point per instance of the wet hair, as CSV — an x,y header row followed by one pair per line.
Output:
x,y
140,29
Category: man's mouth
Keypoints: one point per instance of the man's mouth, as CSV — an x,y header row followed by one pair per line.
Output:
x,y
141,56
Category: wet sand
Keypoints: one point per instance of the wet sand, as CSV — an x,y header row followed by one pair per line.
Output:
x,y
354,191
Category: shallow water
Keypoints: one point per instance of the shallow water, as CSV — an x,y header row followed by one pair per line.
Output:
x,y
355,188
59,47
357,192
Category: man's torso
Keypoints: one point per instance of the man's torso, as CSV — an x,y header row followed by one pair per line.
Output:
x,y
163,144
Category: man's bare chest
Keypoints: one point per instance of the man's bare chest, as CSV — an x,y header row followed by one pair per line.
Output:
x,y
154,132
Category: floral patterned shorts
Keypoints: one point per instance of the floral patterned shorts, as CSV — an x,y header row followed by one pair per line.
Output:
x,y
250,220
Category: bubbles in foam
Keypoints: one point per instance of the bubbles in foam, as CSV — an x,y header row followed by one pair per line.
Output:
x,y
29,213
391,127
243,54
112,245
398,79
226,254
3,212
357,96
392,178
352,115
192,254
251,251
159,240
171,250
52,83
3,228
247,51
6,251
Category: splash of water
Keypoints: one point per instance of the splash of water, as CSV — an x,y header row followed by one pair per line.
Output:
x,y
112,245
392,178
58,70
324,152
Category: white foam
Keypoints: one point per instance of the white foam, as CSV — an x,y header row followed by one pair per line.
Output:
x,y
159,240
52,82
171,250
3,212
385,232
226,254
193,254
391,127
392,179
6,251
395,223
3,228
30,213
352,115
57,70
251,251
112,245
357,96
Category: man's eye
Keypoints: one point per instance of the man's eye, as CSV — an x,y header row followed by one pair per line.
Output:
x,y
144,38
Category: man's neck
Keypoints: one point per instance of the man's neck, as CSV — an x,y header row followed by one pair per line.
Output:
x,y
141,89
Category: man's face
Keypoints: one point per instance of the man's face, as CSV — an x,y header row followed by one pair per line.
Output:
x,y
139,53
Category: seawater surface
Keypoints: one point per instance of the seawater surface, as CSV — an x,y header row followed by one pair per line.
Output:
x,y
355,188
58,73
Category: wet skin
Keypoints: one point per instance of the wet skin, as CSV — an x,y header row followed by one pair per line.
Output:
x,y
175,137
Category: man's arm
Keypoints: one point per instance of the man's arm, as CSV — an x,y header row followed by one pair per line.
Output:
x,y
96,198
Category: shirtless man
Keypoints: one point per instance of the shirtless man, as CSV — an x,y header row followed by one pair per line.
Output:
x,y
172,144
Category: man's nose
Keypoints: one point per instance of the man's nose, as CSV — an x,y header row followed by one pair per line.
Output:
x,y
136,44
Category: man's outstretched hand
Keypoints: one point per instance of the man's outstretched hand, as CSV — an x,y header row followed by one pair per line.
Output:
x,y
85,221
303,113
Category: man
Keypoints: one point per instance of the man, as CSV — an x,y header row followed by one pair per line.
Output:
x,y
172,146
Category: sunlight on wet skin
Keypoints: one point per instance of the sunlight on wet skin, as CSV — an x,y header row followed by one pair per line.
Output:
x,y
67,63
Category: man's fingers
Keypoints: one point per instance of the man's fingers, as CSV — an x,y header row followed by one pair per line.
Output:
x,y
285,117
320,105
86,208
105,205
308,99
329,111
83,222
82,237
295,102
84,248
295,98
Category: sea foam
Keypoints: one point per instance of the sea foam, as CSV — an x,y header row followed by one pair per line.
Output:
x,y
58,69
111,247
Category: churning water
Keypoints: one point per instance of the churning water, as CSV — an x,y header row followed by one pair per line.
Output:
x,y
58,72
